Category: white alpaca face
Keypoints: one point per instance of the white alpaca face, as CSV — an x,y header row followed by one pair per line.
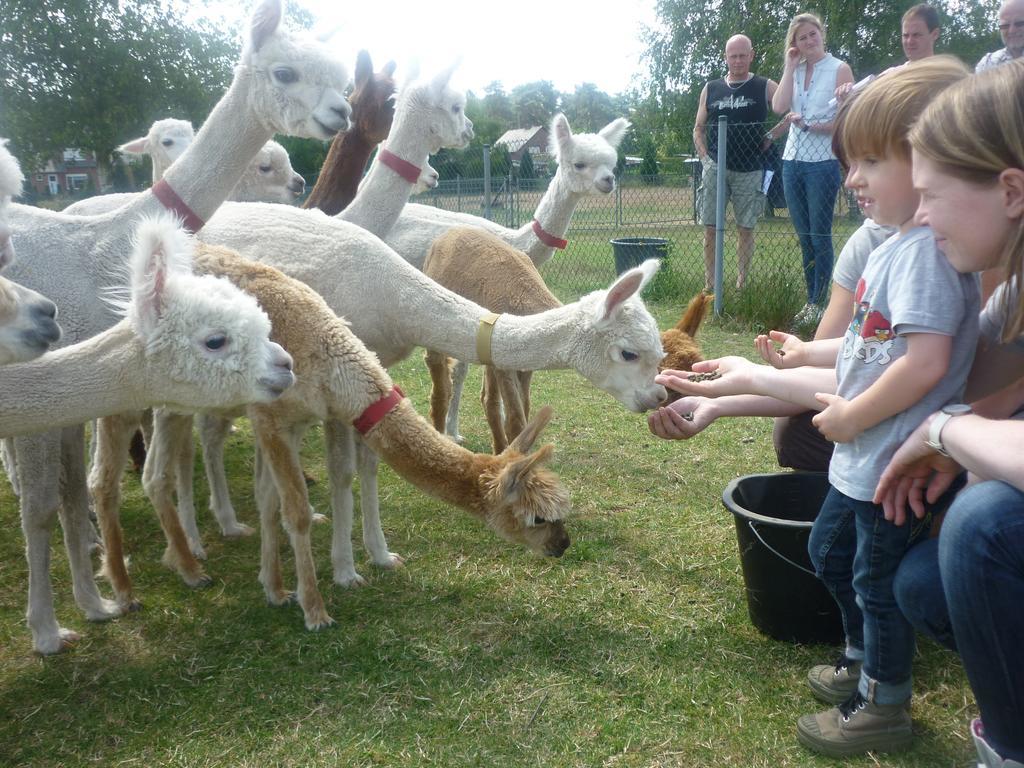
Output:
x,y
270,178
586,161
631,341
299,87
170,141
438,109
28,324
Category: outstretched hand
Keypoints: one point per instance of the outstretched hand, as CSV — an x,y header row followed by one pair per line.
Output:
x,y
787,356
711,378
916,474
681,419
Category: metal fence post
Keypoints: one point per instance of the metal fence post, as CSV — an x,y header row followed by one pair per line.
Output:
x,y
487,181
618,205
723,127
458,193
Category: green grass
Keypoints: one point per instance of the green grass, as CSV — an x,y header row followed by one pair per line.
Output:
x,y
634,649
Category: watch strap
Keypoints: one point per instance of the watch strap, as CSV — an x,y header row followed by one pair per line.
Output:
x,y
935,432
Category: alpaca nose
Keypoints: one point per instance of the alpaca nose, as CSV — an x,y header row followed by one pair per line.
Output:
x,y
44,308
344,111
297,185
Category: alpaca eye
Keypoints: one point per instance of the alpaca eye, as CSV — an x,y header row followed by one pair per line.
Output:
x,y
264,169
456,109
167,142
286,75
216,342
579,166
629,357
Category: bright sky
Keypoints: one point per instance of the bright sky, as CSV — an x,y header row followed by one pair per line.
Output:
x,y
565,41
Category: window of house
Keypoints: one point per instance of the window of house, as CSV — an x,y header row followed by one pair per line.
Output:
x,y
77,181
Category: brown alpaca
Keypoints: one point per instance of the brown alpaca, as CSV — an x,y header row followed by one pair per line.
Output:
x,y
373,109
681,349
484,268
337,380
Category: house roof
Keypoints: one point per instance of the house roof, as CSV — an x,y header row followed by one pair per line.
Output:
x,y
516,137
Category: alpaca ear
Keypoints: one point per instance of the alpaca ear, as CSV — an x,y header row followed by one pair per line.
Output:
x,y
389,69
364,68
630,282
561,135
615,131
441,80
135,146
524,442
515,475
161,250
265,21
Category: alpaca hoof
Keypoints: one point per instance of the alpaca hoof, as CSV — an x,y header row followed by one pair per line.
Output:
x,y
392,561
457,439
318,518
199,581
238,531
319,621
280,597
350,580
132,606
196,549
104,611
64,640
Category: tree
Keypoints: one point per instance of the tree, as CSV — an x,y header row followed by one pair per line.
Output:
x,y
649,162
94,73
535,103
589,109
526,169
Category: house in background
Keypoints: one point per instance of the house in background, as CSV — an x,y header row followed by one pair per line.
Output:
x,y
519,141
74,170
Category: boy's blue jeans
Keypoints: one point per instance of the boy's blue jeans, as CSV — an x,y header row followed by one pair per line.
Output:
x,y
811,190
856,553
965,589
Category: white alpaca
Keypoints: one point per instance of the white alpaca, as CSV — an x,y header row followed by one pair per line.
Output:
x,y
586,166
269,178
281,85
338,379
165,142
428,117
28,324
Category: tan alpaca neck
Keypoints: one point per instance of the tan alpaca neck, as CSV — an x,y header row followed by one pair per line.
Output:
x,y
429,460
98,377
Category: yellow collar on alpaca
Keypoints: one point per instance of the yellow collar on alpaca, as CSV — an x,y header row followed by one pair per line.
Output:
x,y
483,338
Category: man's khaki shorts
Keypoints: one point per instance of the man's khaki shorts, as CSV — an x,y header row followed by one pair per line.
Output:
x,y
742,187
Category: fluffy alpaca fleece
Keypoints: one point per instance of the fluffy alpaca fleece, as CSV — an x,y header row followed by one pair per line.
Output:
x,y
70,259
338,378
373,110
681,348
586,166
28,324
485,269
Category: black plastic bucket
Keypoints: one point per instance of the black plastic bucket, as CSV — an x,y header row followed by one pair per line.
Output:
x,y
773,515
633,251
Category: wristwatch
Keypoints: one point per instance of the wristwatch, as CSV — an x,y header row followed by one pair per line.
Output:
x,y
935,428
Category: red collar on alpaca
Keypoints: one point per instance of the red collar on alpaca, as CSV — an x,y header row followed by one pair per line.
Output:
x,y
547,238
171,201
376,411
403,168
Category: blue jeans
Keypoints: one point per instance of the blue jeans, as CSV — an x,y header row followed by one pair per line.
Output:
x,y
855,553
811,190
978,559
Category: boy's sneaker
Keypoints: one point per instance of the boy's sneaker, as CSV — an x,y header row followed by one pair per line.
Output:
x,y
856,726
988,756
835,683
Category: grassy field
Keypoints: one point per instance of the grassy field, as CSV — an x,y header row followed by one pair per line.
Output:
x,y
634,649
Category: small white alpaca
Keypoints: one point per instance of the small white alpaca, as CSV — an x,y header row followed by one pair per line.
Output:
x,y
28,321
283,84
185,342
165,142
338,379
586,166
484,268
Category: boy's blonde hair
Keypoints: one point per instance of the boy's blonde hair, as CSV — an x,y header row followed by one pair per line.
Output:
x,y
878,124
973,132
802,18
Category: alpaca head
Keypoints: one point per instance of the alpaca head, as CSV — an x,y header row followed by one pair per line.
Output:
x,y
165,142
28,324
437,111
619,345
373,99
525,502
207,344
269,178
586,161
298,85
681,347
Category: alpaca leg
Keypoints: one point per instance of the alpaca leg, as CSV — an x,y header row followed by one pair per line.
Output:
x,y
38,461
459,372
280,456
10,462
525,378
511,398
267,502
78,530
369,505
184,482
170,431
213,431
341,462
440,387
490,398
111,438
